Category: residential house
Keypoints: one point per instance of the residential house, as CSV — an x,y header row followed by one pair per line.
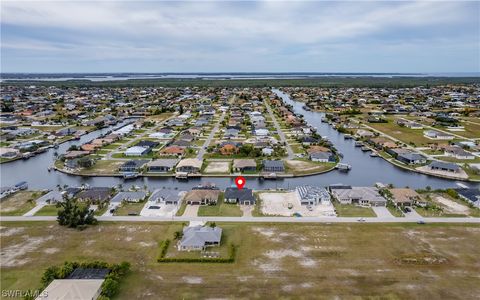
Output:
x,y
138,196
273,166
311,195
444,167
438,135
162,165
244,165
198,238
471,195
406,197
8,152
411,158
363,196
51,197
189,165
458,153
173,150
242,196
132,166
322,157
136,151
96,194
202,197
165,196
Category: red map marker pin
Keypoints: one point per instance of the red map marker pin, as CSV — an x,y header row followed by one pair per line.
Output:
x,y
240,182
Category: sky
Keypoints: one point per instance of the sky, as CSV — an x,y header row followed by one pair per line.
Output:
x,y
245,36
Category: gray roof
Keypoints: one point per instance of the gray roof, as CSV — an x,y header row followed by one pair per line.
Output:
x,y
444,165
361,192
52,196
197,236
170,163
128,196
164,195
240,194
273,163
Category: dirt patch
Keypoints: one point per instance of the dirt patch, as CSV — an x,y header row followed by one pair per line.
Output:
x,y
11,255
218,167
12,231
50,250
452,206
192,279
287,204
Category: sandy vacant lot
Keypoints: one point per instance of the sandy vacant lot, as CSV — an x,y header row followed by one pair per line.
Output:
x,y
281,261
218,167
278,203
452,207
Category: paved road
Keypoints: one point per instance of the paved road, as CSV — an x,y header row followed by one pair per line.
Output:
x,y
202,150
256,219
283,139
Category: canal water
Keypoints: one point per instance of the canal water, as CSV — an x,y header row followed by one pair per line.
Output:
x,y
366,170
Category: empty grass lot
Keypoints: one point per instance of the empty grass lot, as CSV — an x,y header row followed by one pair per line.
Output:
x,y
287,261
127,208
350,210
221,209
19,203
47,210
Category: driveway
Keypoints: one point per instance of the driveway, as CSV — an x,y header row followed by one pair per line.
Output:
x,y
413,215
382,212
191,211
247,210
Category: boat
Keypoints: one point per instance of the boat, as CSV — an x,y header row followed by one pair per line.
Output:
x,y
343,167
324,120
130,175
358,144
27,155
306,108
270,176
181,175
55,146
347,136
374,154
365,148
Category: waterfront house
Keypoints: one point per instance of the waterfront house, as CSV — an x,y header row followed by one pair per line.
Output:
x,y
129,197
96,194
162,165
457,152
9,152
406,197
411,158
198,238
471,195
444,167
322,157
202,197
165,196
132,166
312,195
244,165
241,196
51,197
363,196
189,165
273,166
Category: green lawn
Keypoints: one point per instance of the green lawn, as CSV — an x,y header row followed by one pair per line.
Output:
x,y
221,209
394,210
127,208
47,210
350,210
181,209
370,261
19,203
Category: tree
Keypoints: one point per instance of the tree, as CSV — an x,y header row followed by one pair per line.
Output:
x,y
110,287
73,215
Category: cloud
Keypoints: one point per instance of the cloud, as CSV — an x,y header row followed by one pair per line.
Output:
x,y
226,32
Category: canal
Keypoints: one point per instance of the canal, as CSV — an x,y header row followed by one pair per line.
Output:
x,y
366,170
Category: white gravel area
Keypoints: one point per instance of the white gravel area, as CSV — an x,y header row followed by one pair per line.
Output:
x,y
278,204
